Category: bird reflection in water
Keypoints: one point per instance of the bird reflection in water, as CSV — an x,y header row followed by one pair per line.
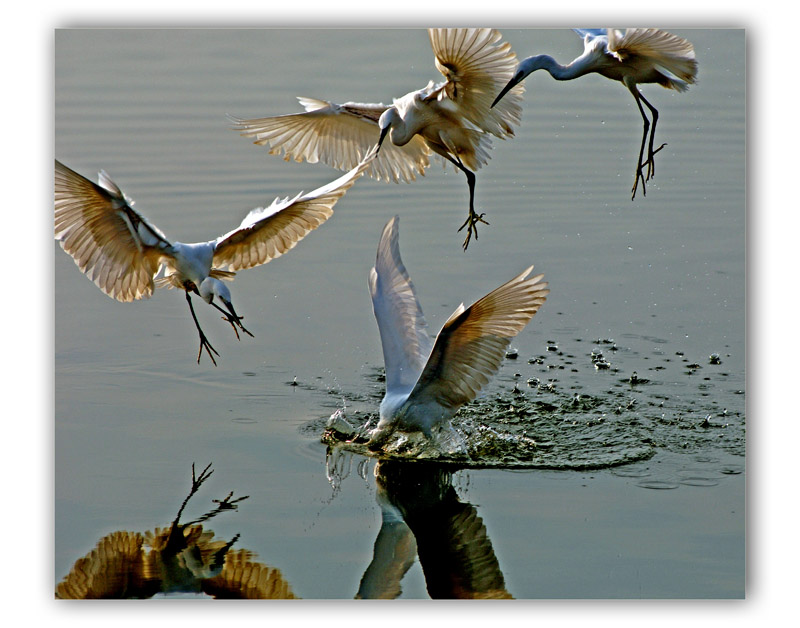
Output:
x,y
422,515
183,558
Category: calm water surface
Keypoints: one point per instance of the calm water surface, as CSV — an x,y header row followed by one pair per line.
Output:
x,y
661,279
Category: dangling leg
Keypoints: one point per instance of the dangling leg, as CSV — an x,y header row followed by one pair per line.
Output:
x,y
651,162
204,344
646,126
473,219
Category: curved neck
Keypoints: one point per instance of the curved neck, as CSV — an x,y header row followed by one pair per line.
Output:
x,y
393,124
557,71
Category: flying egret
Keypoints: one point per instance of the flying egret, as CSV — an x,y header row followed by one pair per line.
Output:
x,y
452,119
427,380
640,55
122,253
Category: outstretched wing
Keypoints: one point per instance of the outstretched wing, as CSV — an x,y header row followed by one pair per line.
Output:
x,y
339,136
404,337
268,233
243,577
472,343
110,242
114,569
477,67
672,55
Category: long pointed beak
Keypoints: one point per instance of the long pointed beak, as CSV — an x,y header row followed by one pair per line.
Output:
x,y
511,84
229,305
236,317
384,131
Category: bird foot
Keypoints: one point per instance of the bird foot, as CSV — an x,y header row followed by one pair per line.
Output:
x,y
205,344
236,321
639,175
651,162
651,172
471,222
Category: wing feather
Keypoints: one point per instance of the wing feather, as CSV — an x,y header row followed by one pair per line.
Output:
x,y
242,577
471,345
674,54
477,67
110,242
339,136
403,330
269,233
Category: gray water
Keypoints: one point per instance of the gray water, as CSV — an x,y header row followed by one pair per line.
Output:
x,y
660,279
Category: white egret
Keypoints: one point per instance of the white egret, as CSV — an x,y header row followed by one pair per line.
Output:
x,y
640,55
452,119
427,380
122,253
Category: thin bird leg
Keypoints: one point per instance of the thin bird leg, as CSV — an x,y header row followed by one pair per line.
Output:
x,y
651,163
234,319
204,343
646,126
175,542
474,218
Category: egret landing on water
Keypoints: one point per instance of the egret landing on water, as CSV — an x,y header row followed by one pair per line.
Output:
x,y
640,55
452,119
122,253
427,380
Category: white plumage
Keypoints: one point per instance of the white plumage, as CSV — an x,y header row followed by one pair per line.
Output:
x,y
453,118
122,253
639,55
427,380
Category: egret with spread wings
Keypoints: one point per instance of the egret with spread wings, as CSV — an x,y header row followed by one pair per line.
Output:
x,y
428,380
122,253
640,55
452,119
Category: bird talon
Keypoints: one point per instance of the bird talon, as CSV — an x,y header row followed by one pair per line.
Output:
x,y
205,344
471,222
639,175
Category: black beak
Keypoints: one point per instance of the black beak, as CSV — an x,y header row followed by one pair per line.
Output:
x,y
505,90
229,305
232,317
384,131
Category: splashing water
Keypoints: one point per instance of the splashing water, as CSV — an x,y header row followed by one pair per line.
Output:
x,y
605,417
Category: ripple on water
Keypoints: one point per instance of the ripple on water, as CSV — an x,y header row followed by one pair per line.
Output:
x,y
699,481
658,484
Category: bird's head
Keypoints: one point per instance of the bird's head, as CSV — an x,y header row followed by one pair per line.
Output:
x,y
523,69
387,120
212,288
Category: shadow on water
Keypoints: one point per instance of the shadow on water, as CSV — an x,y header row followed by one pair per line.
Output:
x,y
181,558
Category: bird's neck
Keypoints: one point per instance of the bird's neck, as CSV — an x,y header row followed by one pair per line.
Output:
x,y
556,70
393,123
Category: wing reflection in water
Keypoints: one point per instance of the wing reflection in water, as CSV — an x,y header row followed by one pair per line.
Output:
x,y
421,510
182,558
